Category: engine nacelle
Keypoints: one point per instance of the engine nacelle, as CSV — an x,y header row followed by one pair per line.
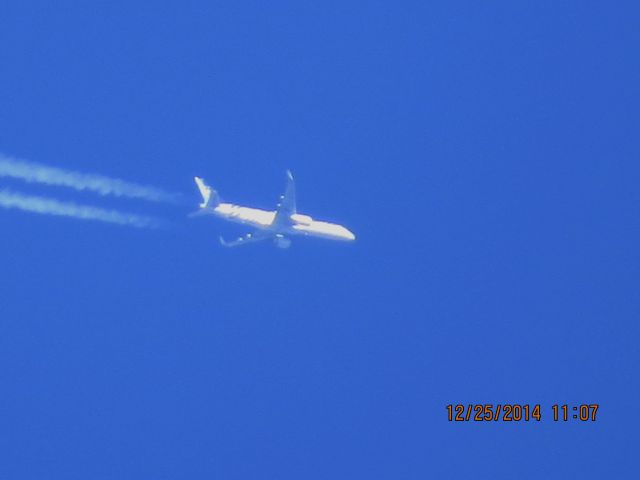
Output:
x,y
282,242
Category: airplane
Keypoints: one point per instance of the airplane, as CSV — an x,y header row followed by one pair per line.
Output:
x,y
276,225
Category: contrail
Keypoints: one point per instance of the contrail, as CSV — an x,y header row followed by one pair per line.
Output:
x,y
49,206
37,173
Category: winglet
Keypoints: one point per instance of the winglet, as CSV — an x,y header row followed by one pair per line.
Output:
x,y
287,203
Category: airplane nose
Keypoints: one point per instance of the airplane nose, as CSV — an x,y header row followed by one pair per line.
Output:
x,y
349,235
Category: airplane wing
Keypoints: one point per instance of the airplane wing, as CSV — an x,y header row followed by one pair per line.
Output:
x,y
248,238
287,203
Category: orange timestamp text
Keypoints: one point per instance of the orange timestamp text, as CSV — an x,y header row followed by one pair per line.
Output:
x,y
518,412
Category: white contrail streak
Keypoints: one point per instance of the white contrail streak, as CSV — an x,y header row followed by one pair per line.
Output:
x,y
49,206
37,173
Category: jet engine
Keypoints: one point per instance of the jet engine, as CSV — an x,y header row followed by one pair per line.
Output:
x,y
282,242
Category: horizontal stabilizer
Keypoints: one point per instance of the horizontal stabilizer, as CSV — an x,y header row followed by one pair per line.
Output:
x,y
197,213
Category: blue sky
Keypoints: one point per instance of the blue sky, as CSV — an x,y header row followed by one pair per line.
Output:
x,y
484,154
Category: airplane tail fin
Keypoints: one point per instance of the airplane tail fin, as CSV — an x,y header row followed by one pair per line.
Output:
x,y
210,198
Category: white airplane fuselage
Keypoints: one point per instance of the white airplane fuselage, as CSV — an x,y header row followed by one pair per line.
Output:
x,y
264,220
